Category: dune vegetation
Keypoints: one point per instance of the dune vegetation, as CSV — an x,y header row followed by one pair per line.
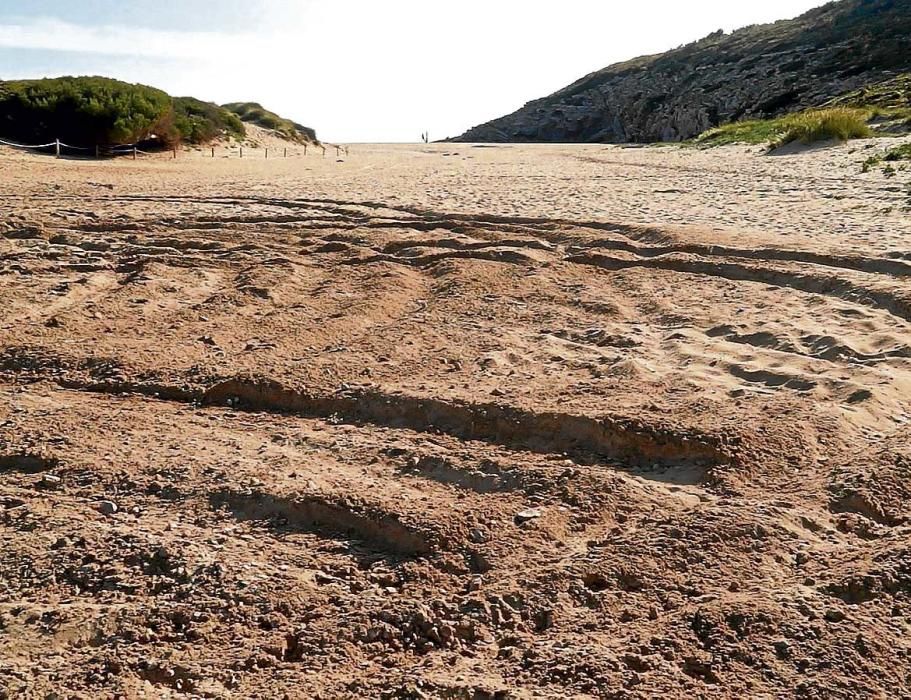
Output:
x,y
201,122
883,107
85,111
900,155
255,113
835,124
97,111
809,126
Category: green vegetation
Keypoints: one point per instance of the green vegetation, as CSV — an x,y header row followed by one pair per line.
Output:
x,y
883,107
200,122
892,94
89,111
889,100
898,153
892,155
835,124
254,113
810,126
753,131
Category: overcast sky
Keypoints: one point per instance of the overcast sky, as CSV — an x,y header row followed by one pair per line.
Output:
x,y
359,70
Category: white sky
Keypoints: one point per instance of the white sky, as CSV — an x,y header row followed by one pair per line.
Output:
x,y
359,70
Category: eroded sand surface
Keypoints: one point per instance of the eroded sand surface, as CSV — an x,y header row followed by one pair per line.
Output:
x,y
455,421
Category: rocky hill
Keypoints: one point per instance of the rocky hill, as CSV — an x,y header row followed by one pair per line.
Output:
x,y
756,72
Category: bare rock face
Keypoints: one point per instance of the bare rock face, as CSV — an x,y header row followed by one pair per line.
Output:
x,y
756,72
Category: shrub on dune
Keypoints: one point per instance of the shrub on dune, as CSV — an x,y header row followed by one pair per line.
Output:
x,y
92,110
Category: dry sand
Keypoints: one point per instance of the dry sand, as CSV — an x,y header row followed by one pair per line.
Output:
x,y
456,421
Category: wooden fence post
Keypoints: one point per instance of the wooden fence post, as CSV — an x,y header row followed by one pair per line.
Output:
x,y
213,151
175,153
96,150
57,144
286,153
305,149
267,154
241,151
134,152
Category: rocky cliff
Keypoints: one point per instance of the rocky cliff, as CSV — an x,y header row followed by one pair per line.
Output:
x,y
755,72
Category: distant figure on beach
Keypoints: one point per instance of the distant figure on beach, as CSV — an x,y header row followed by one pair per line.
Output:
x,y
425,137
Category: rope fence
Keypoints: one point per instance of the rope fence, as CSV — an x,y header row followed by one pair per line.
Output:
x,y
60,148
20,145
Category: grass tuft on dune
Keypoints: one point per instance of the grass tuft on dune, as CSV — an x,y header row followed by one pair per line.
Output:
x,y
810,126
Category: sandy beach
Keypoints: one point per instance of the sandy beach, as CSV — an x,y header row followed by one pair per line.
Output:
x,y
456,420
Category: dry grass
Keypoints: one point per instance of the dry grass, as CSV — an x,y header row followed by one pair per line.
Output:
x,y
811,126
835,124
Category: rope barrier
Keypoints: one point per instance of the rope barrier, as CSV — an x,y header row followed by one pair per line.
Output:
x,y
22,145
52,144
119,149
128,148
